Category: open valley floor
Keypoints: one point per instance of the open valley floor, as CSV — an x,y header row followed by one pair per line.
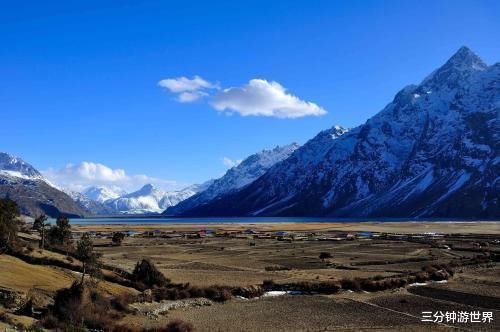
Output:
x,y
294,277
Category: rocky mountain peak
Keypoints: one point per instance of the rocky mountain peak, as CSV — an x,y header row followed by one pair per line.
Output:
x,y
457,69
466,58
15,166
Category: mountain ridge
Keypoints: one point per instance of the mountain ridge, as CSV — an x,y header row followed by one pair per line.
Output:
x,y
34,194
431,152
237,177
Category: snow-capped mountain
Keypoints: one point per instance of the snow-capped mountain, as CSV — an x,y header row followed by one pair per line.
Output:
x,y
16,167
90,205
34,194
102,194
150,199
434,151
237,177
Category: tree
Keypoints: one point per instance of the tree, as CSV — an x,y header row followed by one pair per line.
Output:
x,y
117,238
9,223
90,259
146,273
40,224
61,232
324,255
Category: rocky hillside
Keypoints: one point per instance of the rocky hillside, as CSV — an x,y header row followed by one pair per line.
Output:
x,y
237,177
22,183
434,151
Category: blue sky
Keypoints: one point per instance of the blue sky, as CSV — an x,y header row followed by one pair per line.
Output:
x,y
80,78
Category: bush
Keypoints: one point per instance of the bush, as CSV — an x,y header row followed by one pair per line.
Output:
x,y
327,287
421,277
196,291
81,307
268,284
351,284
249,292
121,302
49,321
34,328
217,293
277,268
179,326
147,274
117,238
325,255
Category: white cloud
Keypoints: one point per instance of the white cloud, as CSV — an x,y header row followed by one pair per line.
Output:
x,y
229,163
189,97
263,98
86,174
188,90
257,98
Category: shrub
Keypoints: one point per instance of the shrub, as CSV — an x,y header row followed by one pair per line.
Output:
x,y
249,292
277,268
325,255
218,293
421,277
268,284
146,273
351,284
179,326
34,328
81,307
327,287
117,238
439,275
49,321
121,302
196,291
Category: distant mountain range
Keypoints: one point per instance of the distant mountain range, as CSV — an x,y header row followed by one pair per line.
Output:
x,y
34,194
431,152
102,194
149,199
434,151
102,200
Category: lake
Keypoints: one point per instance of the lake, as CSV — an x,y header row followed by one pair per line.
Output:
x,y
247,220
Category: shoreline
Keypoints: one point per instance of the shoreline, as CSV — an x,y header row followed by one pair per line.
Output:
x,y
403,227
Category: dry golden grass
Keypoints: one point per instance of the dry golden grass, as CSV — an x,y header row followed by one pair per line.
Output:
x,y
115,289
20,276
4,326
17,320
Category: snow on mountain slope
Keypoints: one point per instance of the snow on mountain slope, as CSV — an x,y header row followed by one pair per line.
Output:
x,y
239,176
102,194
92,206
434,151
150,199
16,167
34,195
